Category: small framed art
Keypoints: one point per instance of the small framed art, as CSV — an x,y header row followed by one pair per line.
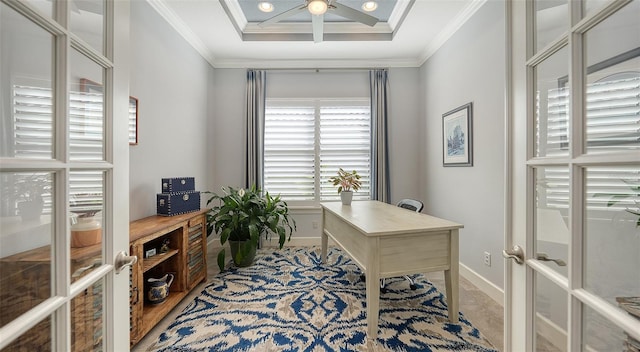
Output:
x,y
457,136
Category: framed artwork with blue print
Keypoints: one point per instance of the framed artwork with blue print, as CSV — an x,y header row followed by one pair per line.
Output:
x,y
457,136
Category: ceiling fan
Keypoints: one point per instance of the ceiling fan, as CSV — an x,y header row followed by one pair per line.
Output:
x,y
318,8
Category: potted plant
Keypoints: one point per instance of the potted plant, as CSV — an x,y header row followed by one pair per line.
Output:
x,y
29,191
347,182
243,216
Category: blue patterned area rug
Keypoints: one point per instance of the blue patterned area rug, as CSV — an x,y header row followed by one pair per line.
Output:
x,y
289,301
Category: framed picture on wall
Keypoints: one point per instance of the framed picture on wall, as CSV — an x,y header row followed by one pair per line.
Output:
x,y
457,136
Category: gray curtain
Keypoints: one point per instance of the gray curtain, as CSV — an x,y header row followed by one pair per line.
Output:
x,y
254,128
379,86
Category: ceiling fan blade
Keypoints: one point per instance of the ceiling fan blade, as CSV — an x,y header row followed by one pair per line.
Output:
x,y
282,16
347,12
318,31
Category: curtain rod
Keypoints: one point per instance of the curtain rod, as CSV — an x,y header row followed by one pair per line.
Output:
x,y
311,69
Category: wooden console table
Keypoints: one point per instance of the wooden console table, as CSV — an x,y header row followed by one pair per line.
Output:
x,y
186,259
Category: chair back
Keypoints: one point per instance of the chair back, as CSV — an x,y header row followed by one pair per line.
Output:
x,y
411,204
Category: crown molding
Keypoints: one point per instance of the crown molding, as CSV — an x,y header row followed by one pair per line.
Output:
x,y
313,64
235,12
329,27
450,29
183,30
381,29
399,13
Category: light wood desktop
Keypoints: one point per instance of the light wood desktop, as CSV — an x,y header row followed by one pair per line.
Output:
x,y
388,241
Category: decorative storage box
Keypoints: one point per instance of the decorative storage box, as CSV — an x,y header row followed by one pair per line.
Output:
x,y
178,184
177,203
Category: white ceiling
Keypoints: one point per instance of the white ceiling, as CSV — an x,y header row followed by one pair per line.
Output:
x,y
217,36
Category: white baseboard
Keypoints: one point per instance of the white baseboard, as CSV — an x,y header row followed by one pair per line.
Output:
x,y
551,332
486,286
213,244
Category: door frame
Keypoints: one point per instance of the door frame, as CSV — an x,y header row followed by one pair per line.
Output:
x,y
116,177
519,315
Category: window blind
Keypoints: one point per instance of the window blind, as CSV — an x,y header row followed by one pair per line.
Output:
x,y
612,123
33,139
345,142
306,142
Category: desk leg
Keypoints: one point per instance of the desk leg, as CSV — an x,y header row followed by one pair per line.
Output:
x,y
451,278
373,295
325,240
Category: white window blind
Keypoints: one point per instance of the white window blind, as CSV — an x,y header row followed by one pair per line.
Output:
x,y
613,117
612,123
306,142
33,139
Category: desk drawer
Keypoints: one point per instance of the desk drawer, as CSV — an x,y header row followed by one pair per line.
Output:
x,y
421,252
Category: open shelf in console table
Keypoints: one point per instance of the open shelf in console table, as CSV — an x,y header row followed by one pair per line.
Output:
x,y
185,259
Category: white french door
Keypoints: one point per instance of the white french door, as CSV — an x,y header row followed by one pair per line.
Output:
x,y
574,175
63,156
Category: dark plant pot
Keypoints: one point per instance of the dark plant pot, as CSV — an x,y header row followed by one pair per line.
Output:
x,y
247,260
30,210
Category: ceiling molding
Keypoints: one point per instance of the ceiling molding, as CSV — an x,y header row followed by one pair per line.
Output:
x,y
313,64
451,28
235,12
297,31
399,13
183,30
329,27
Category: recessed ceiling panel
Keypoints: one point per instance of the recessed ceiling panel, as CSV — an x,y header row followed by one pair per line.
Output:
x,y
253,14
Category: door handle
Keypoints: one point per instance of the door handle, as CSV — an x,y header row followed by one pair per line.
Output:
x,y
516,253
545,258
123,260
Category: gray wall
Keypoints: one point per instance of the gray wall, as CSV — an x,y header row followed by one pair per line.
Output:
x,y
189,107
171,81
404,136
469,67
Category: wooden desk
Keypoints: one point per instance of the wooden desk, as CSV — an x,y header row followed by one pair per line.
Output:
x,y
388,241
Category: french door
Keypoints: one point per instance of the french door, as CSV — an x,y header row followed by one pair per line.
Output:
x,y
63,156
574,175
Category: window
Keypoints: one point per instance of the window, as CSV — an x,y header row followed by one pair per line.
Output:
x,y
307,141
32,111
612,117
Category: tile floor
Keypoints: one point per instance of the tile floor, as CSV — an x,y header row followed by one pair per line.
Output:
x,y
481,310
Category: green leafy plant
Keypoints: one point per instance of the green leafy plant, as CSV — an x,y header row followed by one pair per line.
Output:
x,y
346,181
246,215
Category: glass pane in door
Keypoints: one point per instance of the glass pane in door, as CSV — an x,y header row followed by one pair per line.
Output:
x,y
27,79
612,232
612,91
86,109
44,7
26,228
87,22
38,338
552,204
87,316
552,105
551,316
599,334
589,5
551,21
86,197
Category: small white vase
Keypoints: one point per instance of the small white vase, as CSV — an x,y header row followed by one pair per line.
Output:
x,y
346,197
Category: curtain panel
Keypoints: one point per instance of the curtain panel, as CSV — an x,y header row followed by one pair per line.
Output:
x,y
379,86
254,128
